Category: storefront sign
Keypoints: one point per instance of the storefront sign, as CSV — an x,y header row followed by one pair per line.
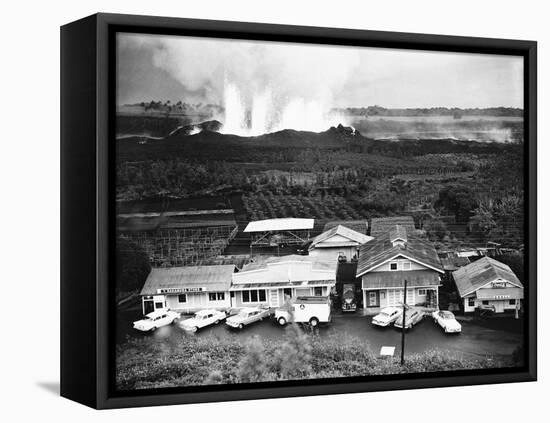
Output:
x,y
499,284
179,290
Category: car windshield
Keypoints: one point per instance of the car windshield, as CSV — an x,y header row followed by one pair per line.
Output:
x,y
446,315
243,314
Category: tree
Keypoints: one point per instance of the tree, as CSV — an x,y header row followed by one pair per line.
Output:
x,y
436,229
132,266
483,220
253,367
292,359
457,199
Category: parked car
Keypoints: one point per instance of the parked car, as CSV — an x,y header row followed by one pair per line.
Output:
x,y
387,316
202,319
447,321
412,317
312,310
156,319
349,302
247,316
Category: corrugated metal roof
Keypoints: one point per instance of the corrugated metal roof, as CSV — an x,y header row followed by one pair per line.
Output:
x,y
262,262
381,249
396,279
291,268
213,278
479,273
382,225
284,224
355,238
360,226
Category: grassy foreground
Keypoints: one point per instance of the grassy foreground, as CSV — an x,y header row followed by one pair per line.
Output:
x,y
150,363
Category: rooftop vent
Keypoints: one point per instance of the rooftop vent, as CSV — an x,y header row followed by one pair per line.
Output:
x,y
398,236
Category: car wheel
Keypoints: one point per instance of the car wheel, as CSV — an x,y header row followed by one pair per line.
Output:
x,y
314,321
281,321
194,329
216,322
241,326
153,329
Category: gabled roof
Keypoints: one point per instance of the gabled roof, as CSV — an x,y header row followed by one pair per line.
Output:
x,y
379,226
360,226
284,224
382,249
353,237
212,278
415,278
481,272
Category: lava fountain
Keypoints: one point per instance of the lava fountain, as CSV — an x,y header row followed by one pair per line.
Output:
x,y
263,112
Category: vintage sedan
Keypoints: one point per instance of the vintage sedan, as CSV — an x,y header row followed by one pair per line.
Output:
x,y
387,316
447,321
247,316
156,319
202,319
412,317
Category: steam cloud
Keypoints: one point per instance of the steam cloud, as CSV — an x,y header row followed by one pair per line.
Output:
x,y
263,87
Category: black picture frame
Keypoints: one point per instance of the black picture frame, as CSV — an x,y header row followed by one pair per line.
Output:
x,y
87,227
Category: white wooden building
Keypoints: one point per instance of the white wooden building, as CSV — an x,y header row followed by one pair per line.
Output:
x,y
337,241
270,280
488,283
187,289
390,259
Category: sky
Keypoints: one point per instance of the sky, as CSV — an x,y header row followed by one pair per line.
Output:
x,y
191,69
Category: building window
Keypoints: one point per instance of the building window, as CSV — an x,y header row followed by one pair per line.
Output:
x,y
216,296
471,302
512,302
382,295
182,298
254,295
393,265
159,305
421,291
318,291
485,302
288,292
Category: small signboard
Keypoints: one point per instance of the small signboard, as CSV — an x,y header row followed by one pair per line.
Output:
x,y
387,351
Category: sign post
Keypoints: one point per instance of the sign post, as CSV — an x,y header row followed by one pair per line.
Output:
x,y
403,325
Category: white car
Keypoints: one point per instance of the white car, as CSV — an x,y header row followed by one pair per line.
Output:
x,y
156,319
201,319
447,321
387,316
247,316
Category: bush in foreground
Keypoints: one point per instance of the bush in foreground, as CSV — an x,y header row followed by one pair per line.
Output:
x,y
151,363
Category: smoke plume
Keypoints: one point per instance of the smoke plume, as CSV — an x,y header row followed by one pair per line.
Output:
x,y
263,87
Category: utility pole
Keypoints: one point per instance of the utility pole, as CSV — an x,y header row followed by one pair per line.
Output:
x,y
403,325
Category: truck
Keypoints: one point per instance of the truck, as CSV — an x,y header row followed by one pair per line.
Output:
x,y
349,303
307,309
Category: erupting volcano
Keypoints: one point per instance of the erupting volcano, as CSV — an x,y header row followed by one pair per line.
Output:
x,y
264,112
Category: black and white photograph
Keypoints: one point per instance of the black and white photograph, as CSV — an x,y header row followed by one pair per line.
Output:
x,y
292,212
